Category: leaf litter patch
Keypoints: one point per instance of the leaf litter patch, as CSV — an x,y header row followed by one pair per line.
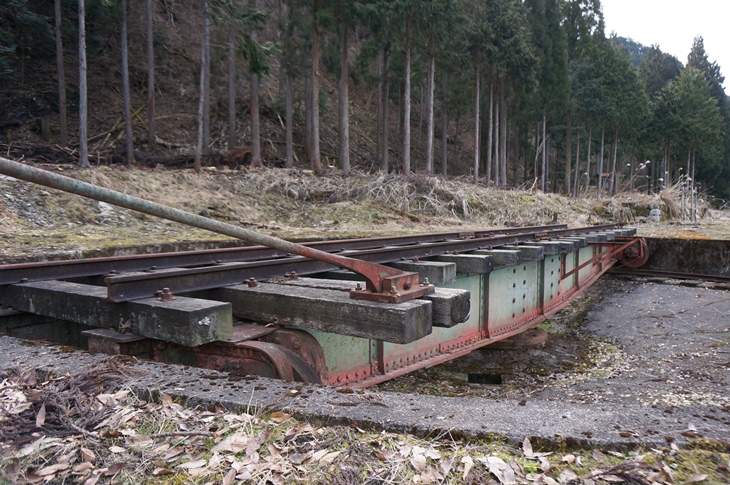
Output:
x,y
88,428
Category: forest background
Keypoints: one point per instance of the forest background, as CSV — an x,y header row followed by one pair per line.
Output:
x,y
511,93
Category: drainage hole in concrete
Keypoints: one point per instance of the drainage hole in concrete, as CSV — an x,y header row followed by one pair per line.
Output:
x,y
485,379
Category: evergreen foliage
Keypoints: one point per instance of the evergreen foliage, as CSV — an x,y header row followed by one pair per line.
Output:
x,y
550,81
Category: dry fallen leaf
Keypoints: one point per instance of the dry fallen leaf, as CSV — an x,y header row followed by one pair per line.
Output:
x,y
319,454
40,418
446,465
468,464
235,443
299,458
52,470
527,447
87,454
567,475
279,417
113,470
230,477
598,456
82,467
696,478
107,400
329,457
419,462
569,458
92,480
117,449
193,464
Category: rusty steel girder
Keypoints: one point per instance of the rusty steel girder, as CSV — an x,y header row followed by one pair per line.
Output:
x,y
289,355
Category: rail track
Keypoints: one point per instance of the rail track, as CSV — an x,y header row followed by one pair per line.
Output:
x,y
670,275
347,312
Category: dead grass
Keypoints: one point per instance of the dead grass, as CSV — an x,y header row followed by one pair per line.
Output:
x,y
293,204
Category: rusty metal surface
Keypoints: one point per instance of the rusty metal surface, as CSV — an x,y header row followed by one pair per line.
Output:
x,y
635,255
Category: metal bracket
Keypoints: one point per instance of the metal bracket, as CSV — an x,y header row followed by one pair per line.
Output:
x,y
403,287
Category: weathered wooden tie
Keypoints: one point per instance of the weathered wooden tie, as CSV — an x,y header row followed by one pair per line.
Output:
x,y
469,263
329,311
185,321
450,306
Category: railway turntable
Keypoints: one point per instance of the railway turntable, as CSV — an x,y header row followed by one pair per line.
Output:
x,y
346,312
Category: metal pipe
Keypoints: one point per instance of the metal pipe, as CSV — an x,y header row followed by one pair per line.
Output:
x,y
372,272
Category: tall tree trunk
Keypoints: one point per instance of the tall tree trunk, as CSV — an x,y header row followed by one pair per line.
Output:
x,y
495,138
667,167
386,108
379,117
289,124
308,109
151,129
407,103
431,86
444,126
576,179
315,155
631,175
588,156
693,186
344,121
201,100
420,116
614,177
125,89
62,121
600,160
476,120
568,152
490,124
544,182
231,89
537,152
83,133
255,122
206,78
503,131
517,151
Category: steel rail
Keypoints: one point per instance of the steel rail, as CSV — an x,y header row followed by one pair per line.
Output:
x,y
670,274
76,268
134,286
383,283
79,268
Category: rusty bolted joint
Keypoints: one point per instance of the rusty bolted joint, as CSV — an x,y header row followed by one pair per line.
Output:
x,y
165,295
292,276
252,283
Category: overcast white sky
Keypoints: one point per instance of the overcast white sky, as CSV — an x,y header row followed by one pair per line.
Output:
x,y
673,25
